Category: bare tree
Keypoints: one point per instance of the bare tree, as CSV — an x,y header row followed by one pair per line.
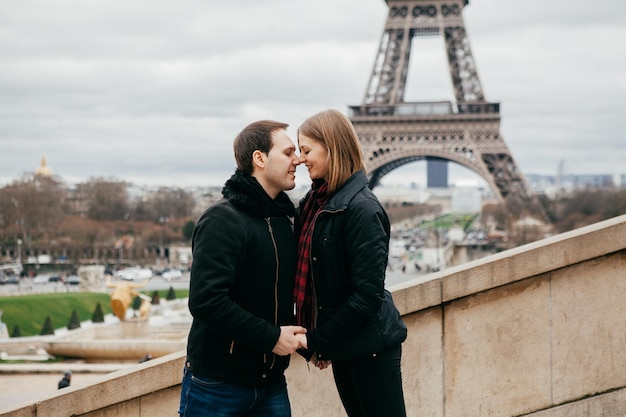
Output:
x,y
32,207
105,199
165,203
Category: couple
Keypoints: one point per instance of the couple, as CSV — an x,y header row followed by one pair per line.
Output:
x,y
253,276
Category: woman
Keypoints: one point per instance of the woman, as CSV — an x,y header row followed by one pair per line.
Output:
x,y
343,244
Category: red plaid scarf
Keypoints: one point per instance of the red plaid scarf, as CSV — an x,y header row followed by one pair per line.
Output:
x,y
303,289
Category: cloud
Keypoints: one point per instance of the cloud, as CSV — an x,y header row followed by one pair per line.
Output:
x,y
153,92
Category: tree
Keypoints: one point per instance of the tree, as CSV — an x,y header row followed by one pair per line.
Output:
x,y
32,207
74,322
105,199
171,295
166,202
136,303
16,331
98,316
581,208
81,235
188,229
47,328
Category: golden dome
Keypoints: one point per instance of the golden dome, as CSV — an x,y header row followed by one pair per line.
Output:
x,y
43,169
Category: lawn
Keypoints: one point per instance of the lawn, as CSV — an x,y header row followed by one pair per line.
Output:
x,y
448,220
29,312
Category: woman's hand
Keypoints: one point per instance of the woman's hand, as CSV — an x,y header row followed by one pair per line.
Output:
x,y
320,364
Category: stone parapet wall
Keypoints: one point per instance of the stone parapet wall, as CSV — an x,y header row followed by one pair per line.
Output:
x,y
150,389
534,331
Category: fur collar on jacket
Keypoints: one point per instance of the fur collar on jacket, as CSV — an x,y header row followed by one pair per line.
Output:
x,y
245,193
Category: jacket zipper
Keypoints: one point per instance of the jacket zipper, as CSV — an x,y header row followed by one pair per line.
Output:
x,y
315,311
271,230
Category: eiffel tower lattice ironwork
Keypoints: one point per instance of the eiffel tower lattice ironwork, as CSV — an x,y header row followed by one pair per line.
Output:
x,y
394,132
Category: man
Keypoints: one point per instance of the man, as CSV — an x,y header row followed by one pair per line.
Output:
x,y
242,276
66,380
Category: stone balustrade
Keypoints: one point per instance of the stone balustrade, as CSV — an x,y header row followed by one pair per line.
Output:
x,y
538,331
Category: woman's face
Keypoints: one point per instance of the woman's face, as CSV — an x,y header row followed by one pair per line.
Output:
x,y
314,156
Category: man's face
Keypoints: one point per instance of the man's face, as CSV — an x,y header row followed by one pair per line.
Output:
x,y
280,165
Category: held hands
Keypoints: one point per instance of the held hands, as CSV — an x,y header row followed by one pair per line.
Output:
x,y
318,363
291,339
302,340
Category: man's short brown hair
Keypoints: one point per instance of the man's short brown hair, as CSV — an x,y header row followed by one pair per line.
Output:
x,y
255,136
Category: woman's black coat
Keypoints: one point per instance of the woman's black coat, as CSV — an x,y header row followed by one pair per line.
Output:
x,y
356,316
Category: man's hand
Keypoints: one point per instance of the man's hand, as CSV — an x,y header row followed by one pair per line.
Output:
x,y
288,342
302,339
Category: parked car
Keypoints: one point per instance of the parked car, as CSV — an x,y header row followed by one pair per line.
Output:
x,y
72,280
170,274
134,274
41,279
9,279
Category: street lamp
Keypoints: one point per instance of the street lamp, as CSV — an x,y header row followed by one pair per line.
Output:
x,y
162,221
19,251
19,262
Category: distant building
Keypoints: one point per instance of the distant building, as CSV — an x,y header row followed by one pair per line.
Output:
x,y
569,182
437,173
43,169
466,199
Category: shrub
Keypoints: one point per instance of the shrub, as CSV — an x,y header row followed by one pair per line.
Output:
x,y
47,328
16,331
137,303
171,295
74,322
98,315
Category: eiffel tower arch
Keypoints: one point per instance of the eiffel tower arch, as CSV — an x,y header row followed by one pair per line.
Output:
x,y
394,132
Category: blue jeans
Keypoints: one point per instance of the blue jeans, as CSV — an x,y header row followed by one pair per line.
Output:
x,y
207,397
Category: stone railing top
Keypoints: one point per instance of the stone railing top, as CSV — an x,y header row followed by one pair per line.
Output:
x,y
515,264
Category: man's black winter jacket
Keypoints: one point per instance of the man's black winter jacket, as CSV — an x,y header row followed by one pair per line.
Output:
x,y
242,274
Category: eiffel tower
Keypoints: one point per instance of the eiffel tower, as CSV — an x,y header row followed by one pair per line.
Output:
x,y
394,132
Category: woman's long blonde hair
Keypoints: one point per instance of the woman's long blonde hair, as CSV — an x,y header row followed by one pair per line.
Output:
x,y
334,130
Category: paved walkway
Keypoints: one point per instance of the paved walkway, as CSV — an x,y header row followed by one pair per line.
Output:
x,y
22,384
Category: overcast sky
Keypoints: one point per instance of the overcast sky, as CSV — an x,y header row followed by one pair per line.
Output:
x,y
154,91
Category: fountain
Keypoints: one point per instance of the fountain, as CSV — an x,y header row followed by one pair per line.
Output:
x,y
128,340
157,331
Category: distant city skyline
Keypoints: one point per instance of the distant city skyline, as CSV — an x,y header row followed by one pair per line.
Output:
x,y
462,177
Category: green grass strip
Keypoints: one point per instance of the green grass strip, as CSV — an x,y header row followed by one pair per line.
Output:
x,y
29,312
